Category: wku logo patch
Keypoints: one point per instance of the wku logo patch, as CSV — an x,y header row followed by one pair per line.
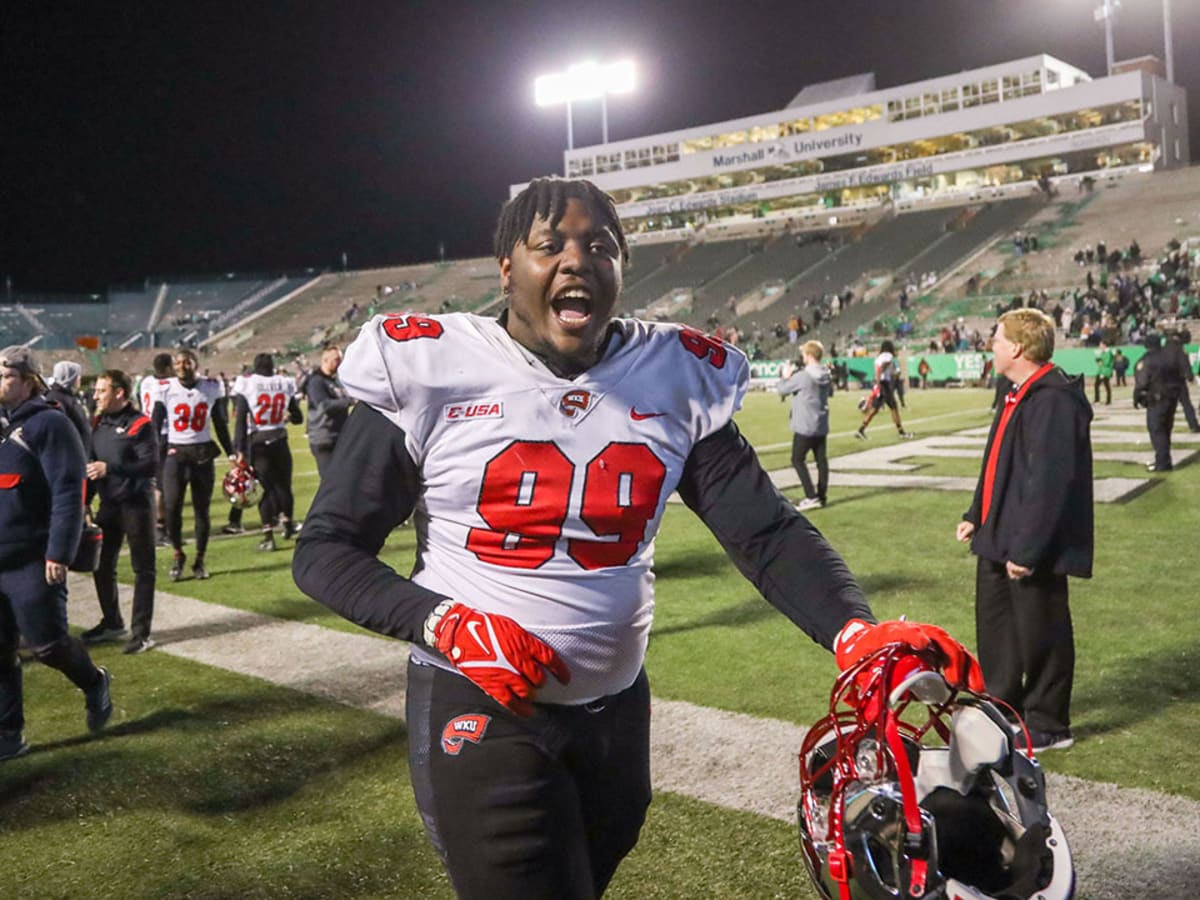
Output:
x,y
574,402
463,728
465,412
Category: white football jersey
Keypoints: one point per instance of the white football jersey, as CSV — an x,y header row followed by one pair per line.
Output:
x,y
149,390
268,397
885,367
189,409
542,495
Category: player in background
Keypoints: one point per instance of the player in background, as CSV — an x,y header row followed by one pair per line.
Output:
x,y
887,377
148,390
536,453
263,404
194,410
234,525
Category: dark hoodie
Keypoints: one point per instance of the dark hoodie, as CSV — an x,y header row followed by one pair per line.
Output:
x,y
41,485
1041,508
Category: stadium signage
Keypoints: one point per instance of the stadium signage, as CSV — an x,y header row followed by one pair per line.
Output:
x,y
784,151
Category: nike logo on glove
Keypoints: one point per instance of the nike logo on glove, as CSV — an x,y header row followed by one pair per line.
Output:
x,y
641,417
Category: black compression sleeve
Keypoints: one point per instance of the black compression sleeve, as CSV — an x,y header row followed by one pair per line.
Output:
x,y
779,550
370,488
220,426
241,409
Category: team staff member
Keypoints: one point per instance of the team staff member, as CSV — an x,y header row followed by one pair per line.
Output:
x,y
41,516
538,452
1157,384
328,408
194,410
124,459
810,388
1030,525
263,405
148,390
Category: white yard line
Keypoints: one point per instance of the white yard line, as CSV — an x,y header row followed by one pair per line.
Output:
x,y
1124,840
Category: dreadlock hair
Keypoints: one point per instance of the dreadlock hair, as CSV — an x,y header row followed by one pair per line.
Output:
x,y
547,198
264,364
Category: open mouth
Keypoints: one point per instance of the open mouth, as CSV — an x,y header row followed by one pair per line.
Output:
x,y
572,307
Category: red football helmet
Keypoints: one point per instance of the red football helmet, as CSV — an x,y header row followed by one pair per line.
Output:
x,y
240,486
909,788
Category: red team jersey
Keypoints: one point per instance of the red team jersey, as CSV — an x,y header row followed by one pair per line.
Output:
x,y
542,495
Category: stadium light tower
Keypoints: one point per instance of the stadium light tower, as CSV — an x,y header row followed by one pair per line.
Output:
x,y
585,81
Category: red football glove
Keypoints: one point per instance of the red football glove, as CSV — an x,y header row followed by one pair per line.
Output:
x,y
507,662
860,639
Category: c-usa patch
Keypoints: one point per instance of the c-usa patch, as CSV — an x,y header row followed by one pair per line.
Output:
x,y
464,728
476,409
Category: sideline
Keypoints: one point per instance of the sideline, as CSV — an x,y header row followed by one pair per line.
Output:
x,y
1122,839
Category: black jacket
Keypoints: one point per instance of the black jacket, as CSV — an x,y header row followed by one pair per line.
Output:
x,y
1158,376
70,405
41,485
328,408
126,441
1041,508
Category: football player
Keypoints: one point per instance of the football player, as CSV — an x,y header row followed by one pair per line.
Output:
x,y
148,390
887,383
193,409
263,404
537,452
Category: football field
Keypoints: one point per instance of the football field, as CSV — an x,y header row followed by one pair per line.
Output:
x,y
260,751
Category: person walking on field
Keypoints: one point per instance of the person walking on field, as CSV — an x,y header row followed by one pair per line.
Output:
x,y
124,461
810,388
1030,526
41,518
887,377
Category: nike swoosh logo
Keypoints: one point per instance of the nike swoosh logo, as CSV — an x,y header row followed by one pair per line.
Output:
x,y
486,647
641,417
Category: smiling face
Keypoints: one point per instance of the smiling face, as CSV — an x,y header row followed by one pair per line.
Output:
x,y
108,397
185,368
563,283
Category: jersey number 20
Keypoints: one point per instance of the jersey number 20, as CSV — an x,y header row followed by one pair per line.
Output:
x,y
525,495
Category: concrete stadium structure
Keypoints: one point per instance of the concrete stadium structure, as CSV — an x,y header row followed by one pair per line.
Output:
x,y
845,148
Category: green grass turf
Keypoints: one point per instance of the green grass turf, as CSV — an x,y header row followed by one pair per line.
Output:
x,y
211,784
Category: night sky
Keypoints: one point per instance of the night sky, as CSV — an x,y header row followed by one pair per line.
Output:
x,y
154,138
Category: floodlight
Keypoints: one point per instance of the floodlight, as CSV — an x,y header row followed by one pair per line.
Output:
x,y
586,80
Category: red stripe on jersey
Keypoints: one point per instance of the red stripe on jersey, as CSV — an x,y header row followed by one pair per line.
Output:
x,y
1010,406
138,424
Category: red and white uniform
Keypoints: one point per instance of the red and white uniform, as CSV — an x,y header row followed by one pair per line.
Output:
x,y
268,397
149,391
189,410
542,495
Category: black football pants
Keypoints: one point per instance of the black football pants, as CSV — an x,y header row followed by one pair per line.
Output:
x,y
183,469
272,464
1026,643
132,519
539,808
